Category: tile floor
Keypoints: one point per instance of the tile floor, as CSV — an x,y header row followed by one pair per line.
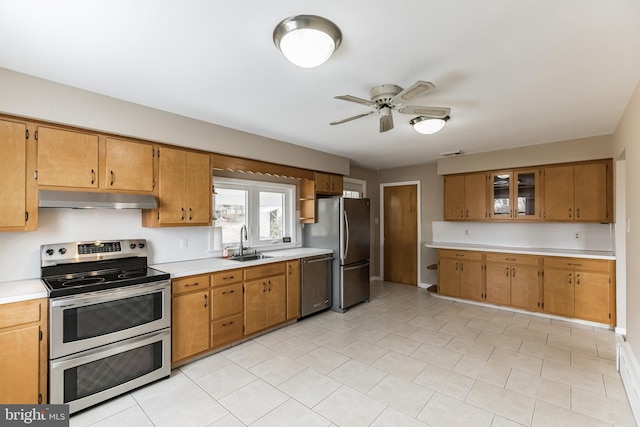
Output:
x,y
404,359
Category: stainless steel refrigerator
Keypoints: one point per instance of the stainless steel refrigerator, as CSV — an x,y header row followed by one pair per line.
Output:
x,y
343,226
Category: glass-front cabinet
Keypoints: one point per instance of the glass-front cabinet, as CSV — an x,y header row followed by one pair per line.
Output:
x,y
515,195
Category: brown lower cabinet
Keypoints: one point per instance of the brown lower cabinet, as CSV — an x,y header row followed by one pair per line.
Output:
x,y
572,287
213,310
23,352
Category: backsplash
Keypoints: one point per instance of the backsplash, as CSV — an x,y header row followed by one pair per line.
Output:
x,y
595,237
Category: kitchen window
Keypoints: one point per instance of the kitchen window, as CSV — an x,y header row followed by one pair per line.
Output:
x,y
267,210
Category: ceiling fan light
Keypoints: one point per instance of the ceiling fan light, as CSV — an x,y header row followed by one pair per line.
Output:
x,y
428,125
307,40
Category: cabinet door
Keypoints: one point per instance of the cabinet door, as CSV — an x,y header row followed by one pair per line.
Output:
x,y
501,195
128,165
454,197
171,195
19,365
527,204
558,193
255,297
198,189
558,291
475,196
276,308
449,277
13,161
189,324
524,287
293,289
590,183
498,283
592,296
226,300
67,159
337,184
323,183
471,280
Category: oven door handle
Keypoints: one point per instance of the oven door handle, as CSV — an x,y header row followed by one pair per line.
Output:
x,y
109,295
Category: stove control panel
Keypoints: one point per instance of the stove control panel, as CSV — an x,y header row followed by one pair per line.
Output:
x,y
65,253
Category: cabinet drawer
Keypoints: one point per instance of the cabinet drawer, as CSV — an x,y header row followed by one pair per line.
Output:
x,y
513,258
188,284
226,300
468,255
226,277
272,269
578,263
226,331
19,313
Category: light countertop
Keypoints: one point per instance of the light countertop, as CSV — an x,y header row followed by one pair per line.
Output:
x,y
22,290
572,253
210,265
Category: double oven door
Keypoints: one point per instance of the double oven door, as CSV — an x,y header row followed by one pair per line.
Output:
x,y
108,342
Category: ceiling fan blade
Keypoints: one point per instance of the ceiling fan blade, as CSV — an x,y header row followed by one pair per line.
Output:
x,y
351,118
435,112
386,119
356,100
412,91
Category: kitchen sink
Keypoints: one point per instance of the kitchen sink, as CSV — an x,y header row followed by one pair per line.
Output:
x,y
250,257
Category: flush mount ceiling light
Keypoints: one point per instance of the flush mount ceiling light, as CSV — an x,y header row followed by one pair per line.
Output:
x,y
428,125
307,40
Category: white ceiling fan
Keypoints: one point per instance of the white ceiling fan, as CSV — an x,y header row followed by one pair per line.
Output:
x,y
385,98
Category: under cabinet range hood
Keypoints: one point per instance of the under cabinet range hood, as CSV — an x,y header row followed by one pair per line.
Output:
x,y
87,200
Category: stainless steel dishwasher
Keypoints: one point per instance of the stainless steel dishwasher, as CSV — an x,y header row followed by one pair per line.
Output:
x,y
315,284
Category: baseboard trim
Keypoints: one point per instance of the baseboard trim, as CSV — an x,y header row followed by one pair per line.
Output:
x,y
375,279
630,372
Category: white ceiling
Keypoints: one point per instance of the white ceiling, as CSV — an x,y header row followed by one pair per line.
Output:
x,y
514,73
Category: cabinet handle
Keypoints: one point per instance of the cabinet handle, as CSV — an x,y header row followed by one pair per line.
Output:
x,y
227,292
190,214
569,278
461,213
507,271
182,214
93,176
574,264
269,285
228,277
462,266
206,300
456,266
513,272
569,212
188,285
113,177
228,323
577,279
578,213
466,213
264,286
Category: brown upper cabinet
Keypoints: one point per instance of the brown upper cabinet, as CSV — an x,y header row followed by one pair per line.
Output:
x,y
128,165
515,195
465,197
329,184
579,192
183,190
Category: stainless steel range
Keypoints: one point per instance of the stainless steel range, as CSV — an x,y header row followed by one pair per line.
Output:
x,y
109,320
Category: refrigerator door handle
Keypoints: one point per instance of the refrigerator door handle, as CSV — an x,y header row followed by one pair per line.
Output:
x,y
357,266
346,243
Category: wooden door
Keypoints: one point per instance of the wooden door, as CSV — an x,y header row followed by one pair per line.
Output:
x,y
449,277
276,308
293,289
401,234
527,203
475,196
67,159
525,287
128,165
558,193
454,203
19,362
323,183
198,189
171,190
498,283
558,291
226,300
337,184
13,161
471,280
189,324
255,316
591,192
592,296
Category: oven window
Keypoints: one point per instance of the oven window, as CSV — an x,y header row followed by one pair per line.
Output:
x,y
103,374
112,316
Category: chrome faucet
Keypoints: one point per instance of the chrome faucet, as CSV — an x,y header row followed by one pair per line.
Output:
x,y
243,235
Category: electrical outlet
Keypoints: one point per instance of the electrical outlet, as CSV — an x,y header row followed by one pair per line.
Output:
x,y
466,232
577,235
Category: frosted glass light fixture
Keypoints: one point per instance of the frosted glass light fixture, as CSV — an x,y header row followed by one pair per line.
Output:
x,y
428,125
307,40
